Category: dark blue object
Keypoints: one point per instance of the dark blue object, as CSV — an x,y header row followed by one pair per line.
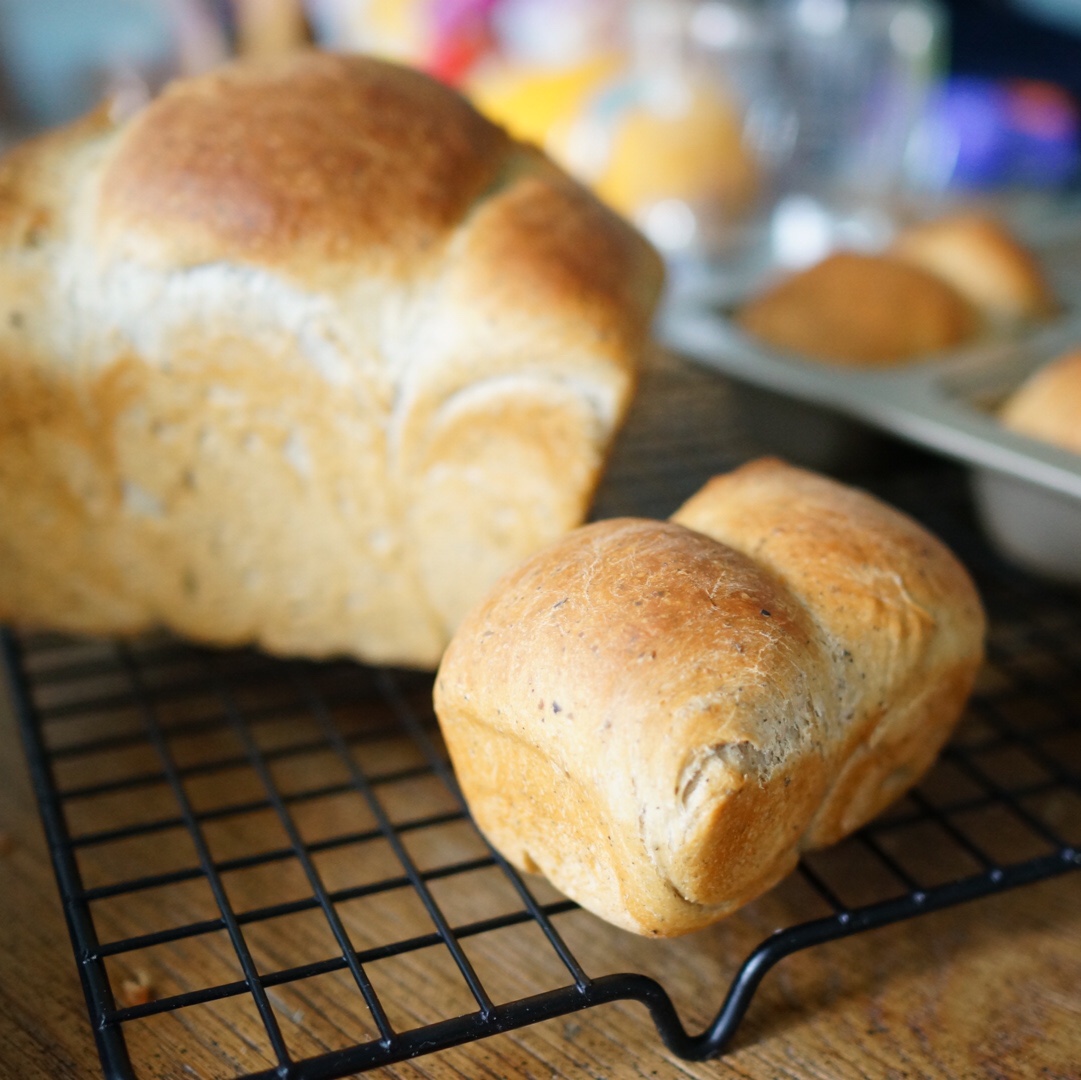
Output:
x,y
983,132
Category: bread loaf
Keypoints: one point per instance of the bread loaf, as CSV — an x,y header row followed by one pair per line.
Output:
x,y
660,716
860,310
305,353
1047,405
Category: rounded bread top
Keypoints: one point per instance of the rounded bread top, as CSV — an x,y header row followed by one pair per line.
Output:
x,y
889,595
316,156
329,169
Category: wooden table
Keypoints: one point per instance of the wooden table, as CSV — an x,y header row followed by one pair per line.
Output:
x,y
990,989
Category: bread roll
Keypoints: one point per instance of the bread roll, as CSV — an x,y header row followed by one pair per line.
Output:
x,y
1047,405
305,353
862,310
984,262
660,716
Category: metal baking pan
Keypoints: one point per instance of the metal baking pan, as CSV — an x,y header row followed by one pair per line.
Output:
x,y
1028,493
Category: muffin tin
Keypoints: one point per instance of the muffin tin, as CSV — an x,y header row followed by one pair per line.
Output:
x,y
1028,493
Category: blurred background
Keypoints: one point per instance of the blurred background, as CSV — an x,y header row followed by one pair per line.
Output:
x,y
735,134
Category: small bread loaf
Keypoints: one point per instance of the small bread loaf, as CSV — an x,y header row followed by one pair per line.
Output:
x,y
984,262
862,310
305,353
1047,405
660,716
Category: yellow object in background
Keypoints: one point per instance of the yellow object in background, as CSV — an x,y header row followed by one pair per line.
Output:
x,y
648,105
687,146
633,146
533,102
269,27
398,30
395,28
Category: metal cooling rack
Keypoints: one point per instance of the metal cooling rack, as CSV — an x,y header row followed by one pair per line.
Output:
x,y
161,769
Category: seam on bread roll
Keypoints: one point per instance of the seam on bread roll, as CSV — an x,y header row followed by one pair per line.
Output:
x,y
661,716
900,616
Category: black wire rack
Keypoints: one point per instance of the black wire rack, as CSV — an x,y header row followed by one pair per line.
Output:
x,y
271,825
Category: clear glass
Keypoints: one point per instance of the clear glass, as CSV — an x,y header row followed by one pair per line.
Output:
x,y
858,74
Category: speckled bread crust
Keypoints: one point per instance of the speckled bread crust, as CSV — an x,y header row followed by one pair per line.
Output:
x,y
1047,405
860,310
660,716
304,353
984,262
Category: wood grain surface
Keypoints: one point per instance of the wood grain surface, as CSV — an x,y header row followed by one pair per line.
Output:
x,y
991,989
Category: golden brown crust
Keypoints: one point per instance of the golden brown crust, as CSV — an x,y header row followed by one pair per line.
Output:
x,y
544,240
862,310
984,262
1047,406
639,659
661,716
312,158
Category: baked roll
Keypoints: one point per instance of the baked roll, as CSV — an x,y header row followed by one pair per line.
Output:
x,y
305,353
984,262
660,716
1047,405
860,310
